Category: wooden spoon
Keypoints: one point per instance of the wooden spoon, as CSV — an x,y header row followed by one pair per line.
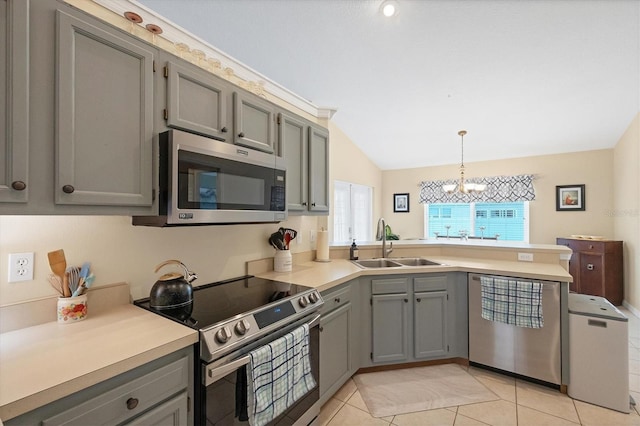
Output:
x,y
58,265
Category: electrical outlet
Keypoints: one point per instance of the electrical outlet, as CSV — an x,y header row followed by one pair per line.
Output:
x,y
525,257
312,236
298,238
20,267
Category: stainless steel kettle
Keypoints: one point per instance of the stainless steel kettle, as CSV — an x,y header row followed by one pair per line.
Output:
x,y
172,293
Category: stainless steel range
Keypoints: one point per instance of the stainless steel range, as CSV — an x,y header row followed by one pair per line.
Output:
x,y
235,317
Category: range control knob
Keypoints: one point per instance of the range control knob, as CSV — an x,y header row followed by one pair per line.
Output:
x,y
242,327
313,298
223,335
303,302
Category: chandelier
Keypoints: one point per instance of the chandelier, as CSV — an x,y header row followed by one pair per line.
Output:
x,y
462,186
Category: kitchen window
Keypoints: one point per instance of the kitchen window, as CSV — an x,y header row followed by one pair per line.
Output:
x,y
353,212
510,221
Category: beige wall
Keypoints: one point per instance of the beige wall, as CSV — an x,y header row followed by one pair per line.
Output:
x,y
592,168
626,213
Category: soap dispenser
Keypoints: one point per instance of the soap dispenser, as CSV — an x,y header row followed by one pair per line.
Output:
x,y
353,252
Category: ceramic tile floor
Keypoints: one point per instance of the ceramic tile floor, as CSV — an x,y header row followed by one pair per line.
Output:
x,y
521,403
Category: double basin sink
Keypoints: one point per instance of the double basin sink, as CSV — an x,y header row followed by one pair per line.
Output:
x,y
395,262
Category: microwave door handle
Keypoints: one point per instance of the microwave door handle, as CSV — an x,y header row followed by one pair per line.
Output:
x,y
216,373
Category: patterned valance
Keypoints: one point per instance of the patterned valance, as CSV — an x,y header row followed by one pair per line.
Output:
x,y
500,189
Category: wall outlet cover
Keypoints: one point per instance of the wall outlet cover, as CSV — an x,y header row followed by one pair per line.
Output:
x,y
20,267
525,257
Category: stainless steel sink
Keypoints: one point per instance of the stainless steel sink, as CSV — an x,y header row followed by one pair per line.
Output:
x,y
376,263
414,261
394,262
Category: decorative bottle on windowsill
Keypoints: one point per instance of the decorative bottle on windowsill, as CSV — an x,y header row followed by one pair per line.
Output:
x,y
353,251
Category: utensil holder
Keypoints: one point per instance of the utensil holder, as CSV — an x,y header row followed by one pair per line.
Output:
x,y
282,261
72,309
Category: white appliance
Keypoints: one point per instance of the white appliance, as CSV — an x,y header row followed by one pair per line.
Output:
x,y
598,352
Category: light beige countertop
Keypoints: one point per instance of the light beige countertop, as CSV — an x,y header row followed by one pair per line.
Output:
x,y
45,362
325,275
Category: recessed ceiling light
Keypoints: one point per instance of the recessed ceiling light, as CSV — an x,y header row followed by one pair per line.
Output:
x,y
389,8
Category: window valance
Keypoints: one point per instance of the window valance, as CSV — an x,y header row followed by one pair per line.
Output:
x,y
500,189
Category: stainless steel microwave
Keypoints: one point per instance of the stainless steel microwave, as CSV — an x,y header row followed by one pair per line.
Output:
x,y
206,181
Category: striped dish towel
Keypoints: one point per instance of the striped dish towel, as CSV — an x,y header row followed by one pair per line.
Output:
x,y
278,375
512,302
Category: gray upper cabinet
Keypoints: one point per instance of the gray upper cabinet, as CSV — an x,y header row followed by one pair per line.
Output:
x,y
14,104
104,115
318,169
196,100
293,139
254,122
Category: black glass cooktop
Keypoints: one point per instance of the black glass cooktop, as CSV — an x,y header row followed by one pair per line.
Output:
x,y
220,301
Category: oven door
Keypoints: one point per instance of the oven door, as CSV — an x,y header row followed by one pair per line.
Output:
x,y
220,396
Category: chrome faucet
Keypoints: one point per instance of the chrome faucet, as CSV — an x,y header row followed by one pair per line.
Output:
x,y
381,233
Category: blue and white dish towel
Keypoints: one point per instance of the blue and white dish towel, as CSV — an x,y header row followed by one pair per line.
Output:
x,y
513,302
278,375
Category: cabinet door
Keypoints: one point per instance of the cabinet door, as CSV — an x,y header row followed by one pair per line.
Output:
x,y
390,327
430,324
104,131
335,348
293,140
14,101
170,413
254,121
592,274
574,271
196,101
318,170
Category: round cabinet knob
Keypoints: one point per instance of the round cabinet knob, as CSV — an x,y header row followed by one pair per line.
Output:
x,y
223,335
68,189
303,302
313,298
242,327
223,130
304,203
132,403
18,185
241,135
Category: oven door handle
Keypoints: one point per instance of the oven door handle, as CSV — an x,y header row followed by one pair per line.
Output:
x,y
216,373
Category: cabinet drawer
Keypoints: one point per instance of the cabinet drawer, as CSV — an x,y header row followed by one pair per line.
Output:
x,y
581,245
390,285
335,299
435,283
128,400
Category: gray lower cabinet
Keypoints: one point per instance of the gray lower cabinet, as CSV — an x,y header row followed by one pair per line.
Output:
x,y
254,122
197,100
104,114
337,339
417,317
14,104
157,393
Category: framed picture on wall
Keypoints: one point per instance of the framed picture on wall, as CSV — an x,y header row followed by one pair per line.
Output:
x,y
570,198
401,203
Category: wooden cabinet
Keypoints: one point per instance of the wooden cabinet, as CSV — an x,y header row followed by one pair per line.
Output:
x,y
305,148
104,112
596,268
197,101
337,339
14,104
254,122
157,393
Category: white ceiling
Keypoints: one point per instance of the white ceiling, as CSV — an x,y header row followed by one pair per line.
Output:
x,y
523,77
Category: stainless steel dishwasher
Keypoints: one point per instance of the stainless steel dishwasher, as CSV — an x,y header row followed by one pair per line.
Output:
x,y
530,352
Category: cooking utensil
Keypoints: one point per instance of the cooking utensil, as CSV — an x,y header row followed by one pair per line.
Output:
x,y
84,285
277,240
287,238
56,283
74,278
58,265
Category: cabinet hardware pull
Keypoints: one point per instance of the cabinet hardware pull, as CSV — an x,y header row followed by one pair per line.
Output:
x,y
590,246
132,403
418,300
321,329
304,203
223,130
313,204
406,300
590,266
337,300
68,189
18,185
241,135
